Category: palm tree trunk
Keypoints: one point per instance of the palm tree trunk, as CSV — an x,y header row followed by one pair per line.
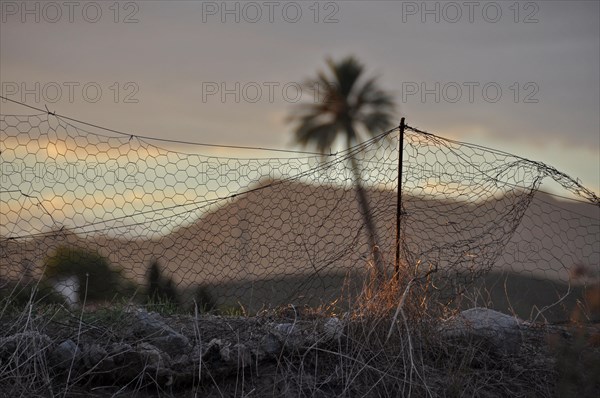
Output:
x,y
366,214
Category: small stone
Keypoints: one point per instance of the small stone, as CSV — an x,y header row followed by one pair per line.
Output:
x,y
212,351
175,344
225,353
151,326
288,334
116,348
285,329
270,344
333,328
93,355
244,356
150,355
65,354
23,342
181,362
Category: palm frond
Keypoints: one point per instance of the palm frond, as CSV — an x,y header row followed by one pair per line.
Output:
x,y
322,136
340,100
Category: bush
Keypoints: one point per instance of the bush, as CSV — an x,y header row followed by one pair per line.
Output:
x,y
103,281
204,300
18,295
160,290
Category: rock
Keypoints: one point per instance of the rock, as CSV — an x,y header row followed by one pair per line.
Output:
x,y
161,335
117,352
65,354
182,362
212,351
243,355
498,331
143,358
26,342
333,328
270,344
174,344
68,287
150,324
285,329
221,357
93,355
288,334
150,356
238,355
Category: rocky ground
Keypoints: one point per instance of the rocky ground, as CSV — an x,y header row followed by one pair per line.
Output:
x,y
126,352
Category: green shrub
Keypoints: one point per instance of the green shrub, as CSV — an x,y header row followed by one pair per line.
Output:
x,y
103,281
18,295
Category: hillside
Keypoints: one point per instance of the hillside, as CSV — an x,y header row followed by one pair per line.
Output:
x,y
296,230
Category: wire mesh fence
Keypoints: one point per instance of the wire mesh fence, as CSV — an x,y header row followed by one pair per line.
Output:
x,y
93,216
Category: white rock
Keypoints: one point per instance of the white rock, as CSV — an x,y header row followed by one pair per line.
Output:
x,y
68,287
500,331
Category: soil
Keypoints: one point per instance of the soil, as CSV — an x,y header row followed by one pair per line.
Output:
x,y
130,352
133,352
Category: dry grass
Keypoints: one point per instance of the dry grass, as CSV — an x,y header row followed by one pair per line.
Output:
x,y
388,345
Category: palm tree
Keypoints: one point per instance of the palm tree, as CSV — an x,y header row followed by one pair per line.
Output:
x,y
350,107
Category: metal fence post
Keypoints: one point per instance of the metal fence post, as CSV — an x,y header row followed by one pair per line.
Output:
x,y
399,203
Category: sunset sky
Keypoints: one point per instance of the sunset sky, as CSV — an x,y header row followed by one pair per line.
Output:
x,y
518,76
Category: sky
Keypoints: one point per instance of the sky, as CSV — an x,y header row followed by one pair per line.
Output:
x,y
523,77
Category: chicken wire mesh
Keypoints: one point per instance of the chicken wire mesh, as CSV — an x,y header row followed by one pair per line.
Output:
x,y
479,219
97,215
